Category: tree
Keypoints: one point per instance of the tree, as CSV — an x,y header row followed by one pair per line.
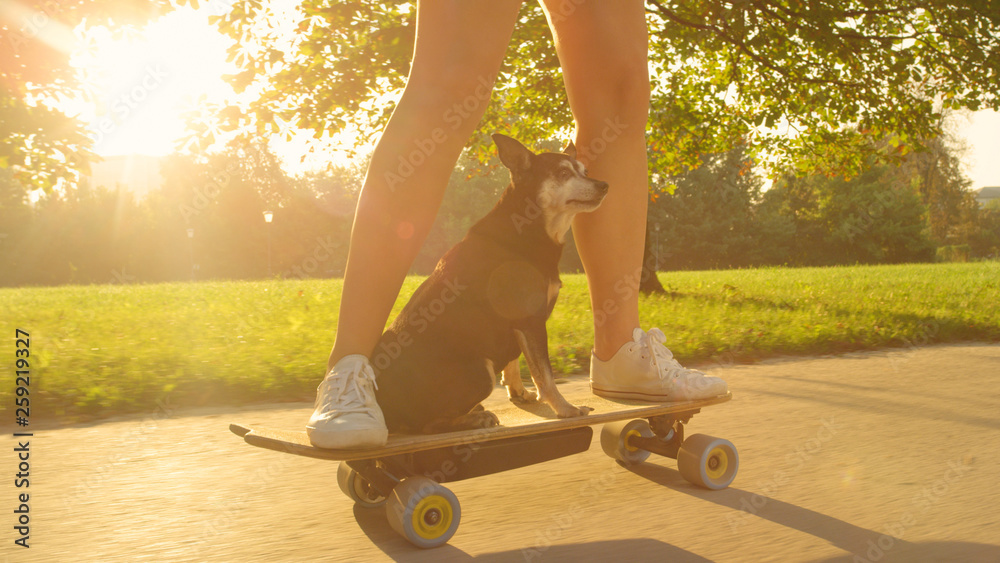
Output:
x,y
985,243
38,142
473,190
16,220
708,221
85,235
724,73
648,281
223,196
944,189
100,234
871,218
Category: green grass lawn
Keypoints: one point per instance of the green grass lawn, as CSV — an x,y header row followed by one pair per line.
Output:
x,y
101,350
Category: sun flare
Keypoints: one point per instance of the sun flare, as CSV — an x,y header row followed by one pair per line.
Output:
x,y
142,83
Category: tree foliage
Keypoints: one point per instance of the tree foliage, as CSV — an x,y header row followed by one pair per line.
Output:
x,y
921,203
986,238
716,218
708,222
944,189
868,219
101,234
809,81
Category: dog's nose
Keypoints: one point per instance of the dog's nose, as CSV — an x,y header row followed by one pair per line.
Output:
x,y
602,187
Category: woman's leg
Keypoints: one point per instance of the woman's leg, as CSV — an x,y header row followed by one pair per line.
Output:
x,y
459,47
602,47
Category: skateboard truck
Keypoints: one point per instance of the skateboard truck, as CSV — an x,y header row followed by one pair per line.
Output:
x,y
381,479
702,460
668,435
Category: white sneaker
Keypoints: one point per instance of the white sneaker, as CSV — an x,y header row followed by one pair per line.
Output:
x,y
347,415
645,370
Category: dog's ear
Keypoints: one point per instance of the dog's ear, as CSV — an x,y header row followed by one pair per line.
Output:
x,y
515,156
570,150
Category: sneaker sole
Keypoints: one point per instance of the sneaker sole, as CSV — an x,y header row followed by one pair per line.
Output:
x,y
354,440
644,397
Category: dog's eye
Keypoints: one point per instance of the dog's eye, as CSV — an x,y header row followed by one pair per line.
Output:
x,y
565,174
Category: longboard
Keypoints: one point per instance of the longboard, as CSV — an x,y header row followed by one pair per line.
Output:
x,y
405,475
515,420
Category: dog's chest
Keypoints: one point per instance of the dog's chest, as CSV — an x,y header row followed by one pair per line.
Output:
x,y
553,293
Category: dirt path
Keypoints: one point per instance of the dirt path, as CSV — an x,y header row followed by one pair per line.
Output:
x,y
889,456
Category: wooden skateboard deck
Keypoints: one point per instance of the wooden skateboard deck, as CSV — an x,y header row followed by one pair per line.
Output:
x,y
516,420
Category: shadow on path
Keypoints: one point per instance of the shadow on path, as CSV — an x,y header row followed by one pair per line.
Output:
x,y
861,544
376,527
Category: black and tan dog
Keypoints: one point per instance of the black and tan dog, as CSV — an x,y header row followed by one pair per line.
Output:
x,y
486,303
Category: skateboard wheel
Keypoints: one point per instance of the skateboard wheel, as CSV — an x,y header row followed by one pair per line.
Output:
x,y
423,512
358,488
708,461
614,440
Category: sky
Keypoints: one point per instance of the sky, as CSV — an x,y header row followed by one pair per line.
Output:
x,y
145,83
981,132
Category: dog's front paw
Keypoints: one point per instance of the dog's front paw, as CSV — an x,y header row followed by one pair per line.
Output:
x,y
522,396
482,419
573,411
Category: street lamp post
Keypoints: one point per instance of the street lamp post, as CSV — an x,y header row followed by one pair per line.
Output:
x,y
190,233
268,216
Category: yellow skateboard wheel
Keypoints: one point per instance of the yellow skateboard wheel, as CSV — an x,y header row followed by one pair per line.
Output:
x,y
708,461
424,512
615,436
357,488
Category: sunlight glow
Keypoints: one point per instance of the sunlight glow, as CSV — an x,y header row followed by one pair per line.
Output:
x,y
35,24
142,84
981,132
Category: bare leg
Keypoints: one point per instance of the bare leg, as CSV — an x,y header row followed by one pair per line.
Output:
x,y
602,46
459,47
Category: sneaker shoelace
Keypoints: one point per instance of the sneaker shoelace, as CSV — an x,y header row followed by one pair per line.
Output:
x,y
663,358
345,393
